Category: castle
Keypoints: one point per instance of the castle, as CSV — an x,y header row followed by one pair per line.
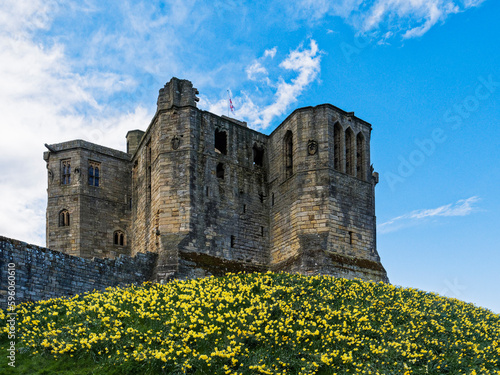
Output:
x,y
209,195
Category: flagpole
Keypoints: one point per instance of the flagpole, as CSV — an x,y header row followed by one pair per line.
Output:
x,y
228,105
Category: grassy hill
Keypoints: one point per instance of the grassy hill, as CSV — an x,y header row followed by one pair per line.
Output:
x,y
255,323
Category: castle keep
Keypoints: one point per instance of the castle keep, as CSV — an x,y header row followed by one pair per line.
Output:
x,y
209,195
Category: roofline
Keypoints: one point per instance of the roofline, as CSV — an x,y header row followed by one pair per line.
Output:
x,y
327,105
80,143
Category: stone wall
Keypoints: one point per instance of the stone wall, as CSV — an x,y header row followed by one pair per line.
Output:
x,y
41,273
98,208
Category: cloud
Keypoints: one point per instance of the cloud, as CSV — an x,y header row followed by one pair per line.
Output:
x,y
43,100
270,52
462,207
305,62
409,18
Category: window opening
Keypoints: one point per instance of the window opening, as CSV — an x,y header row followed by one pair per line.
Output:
x,y
220,171
272,199
148,170
66,171
262,231
233,239
220,142
288,154
349,152
337,132
244,208
360,156
119,238
258,155
64,218
94,177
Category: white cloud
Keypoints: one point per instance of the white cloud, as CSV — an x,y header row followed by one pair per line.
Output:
x,y
462,207
304,61
271,52
255,70
42,100
411,18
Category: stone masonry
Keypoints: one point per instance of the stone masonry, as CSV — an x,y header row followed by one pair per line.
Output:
x,y
40,273
209,195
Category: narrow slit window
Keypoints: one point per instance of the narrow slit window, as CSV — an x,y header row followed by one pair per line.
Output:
x,y
337,132
262,231
360,157
349,152
233,240
220,171
288,148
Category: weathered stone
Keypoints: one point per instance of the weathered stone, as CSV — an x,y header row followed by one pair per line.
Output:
x,y
209,195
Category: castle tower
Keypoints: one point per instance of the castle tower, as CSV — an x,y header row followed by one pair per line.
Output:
x,y
89,199
322,215
210,195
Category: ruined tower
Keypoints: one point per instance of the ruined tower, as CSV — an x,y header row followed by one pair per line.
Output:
x,y
210,195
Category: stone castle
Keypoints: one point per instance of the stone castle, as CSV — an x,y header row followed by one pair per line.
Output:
x,y
209,195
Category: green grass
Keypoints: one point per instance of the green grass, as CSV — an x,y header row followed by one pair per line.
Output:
x,y
255,323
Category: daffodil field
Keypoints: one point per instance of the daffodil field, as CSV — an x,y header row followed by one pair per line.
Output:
x,y
262,324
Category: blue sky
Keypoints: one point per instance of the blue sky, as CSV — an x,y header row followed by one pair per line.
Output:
x,y
424,73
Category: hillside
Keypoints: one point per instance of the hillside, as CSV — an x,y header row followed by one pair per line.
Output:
x,y
256,323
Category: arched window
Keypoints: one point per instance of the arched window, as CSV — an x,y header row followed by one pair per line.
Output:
x,y
337,147
349,152
64,218
288,151
119,238
360,157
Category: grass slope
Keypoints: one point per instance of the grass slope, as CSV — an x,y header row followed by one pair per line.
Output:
x,y
255,323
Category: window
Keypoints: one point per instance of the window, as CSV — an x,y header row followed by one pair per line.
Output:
x,y
64,218
233,240
148,171
288,146
272,199
337,147
349,152
220,171
119,238
66,172
360,157
220,142
94,171
258,155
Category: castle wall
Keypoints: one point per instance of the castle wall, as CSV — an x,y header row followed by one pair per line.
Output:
x,y
96,211
209,195
41,273
229,192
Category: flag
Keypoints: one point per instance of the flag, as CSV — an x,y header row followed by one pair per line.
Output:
x,y
231,106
